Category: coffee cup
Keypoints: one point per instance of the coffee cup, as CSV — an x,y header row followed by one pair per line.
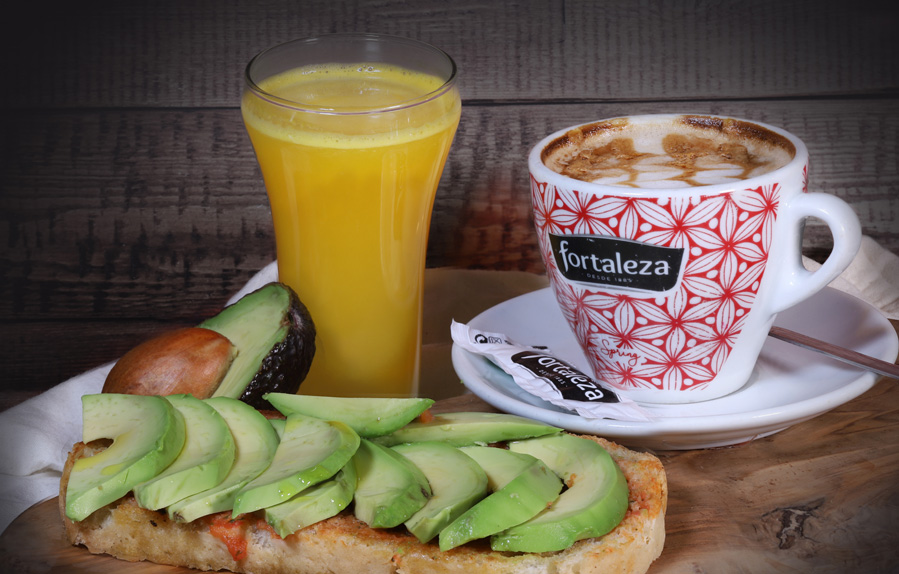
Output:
x,y
671,242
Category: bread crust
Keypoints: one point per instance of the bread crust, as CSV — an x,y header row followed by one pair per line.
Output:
x,y
343,544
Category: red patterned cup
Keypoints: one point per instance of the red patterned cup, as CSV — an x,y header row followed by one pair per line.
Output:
x,y
671,263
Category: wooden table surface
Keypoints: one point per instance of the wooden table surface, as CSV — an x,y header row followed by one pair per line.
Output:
x,y
131,202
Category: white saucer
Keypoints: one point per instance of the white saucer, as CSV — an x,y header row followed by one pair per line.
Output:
x,y
789,384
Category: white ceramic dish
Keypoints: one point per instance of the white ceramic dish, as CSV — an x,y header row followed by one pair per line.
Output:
x,y
789,384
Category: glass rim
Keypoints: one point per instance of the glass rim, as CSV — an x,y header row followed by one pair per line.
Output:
x,y
254,88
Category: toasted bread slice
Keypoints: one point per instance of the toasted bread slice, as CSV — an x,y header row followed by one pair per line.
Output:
x,y
343,544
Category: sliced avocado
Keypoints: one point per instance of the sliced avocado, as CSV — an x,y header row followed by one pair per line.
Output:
x,y
278,425
595,502
390,489
522,487
275,339
461,429
255,442
311,451
457,483
316,503
204,461
148,434
369,417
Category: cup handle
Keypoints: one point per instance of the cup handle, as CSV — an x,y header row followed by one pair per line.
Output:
x,y
796,282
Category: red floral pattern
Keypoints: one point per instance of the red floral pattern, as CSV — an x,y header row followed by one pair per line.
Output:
x,y
679,340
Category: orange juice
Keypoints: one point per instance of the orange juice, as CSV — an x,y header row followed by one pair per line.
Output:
x,y
351,179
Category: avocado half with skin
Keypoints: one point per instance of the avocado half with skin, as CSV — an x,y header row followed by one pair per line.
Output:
x,y
275,339
263,343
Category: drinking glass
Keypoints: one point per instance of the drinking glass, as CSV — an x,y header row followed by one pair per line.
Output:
x,y
351,132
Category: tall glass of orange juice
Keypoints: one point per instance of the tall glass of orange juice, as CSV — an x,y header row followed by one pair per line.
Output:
x,y
351,133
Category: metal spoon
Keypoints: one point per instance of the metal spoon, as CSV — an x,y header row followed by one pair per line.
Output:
x,y
854,358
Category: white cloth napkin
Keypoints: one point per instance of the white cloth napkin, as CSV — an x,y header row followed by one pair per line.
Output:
x,y
38,433
873,276
37,436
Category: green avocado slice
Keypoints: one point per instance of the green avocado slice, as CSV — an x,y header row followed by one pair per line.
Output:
x,y
314,504
204,461
464,428
390,489
595,502
275,339
255,441
312,450
522,486
278,425
369,417
457,483
148,434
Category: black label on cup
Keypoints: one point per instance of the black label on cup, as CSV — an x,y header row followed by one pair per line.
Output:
x,y
615,262
572,383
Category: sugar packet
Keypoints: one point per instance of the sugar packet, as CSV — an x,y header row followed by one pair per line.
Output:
x,y
536,371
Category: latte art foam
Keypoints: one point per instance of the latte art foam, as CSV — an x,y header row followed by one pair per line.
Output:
x,y
682,151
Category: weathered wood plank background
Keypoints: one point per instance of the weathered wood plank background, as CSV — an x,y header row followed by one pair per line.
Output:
x,y
130,199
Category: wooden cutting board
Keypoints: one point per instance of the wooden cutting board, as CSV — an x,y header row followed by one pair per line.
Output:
x,y
822,496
